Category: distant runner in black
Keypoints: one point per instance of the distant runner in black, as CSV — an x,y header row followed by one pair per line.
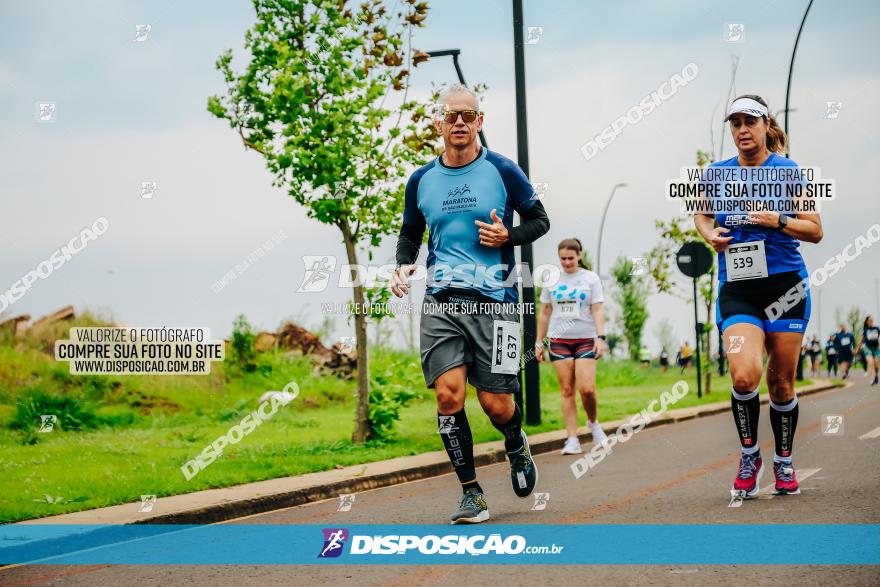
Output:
x,y
870,344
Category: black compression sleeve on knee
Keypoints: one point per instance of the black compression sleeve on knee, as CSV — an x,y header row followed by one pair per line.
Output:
x,y
783,420
456,434
512,430
746,408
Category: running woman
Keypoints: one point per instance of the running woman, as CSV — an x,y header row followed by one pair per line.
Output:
x,y
831,355
749,286
572,311
844,343
871,343
466,198
814,350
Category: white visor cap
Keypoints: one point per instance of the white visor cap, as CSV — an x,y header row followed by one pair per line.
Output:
x,y
746,106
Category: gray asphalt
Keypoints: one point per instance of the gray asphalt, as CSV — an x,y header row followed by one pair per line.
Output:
x,y
679,473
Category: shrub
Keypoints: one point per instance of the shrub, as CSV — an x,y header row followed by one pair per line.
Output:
x,y
71,412
385,409
243,337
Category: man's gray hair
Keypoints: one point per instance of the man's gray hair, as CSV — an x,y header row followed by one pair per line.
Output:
x,y
455,89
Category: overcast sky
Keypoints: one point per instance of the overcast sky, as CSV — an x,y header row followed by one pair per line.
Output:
x,y
129,112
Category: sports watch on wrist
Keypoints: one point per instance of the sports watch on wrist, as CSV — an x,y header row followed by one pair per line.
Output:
x,y
783,222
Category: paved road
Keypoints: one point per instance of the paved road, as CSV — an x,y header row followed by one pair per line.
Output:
x,y
671,474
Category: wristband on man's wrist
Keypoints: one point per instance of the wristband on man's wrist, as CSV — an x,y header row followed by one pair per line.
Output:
x,y
602,336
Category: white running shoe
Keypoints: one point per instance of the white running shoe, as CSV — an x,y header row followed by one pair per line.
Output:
x,y
572,446
599,437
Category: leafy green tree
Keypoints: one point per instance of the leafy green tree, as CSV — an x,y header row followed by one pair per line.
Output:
x,y
242,345
313,101
613,341
631,296
661,259
854,317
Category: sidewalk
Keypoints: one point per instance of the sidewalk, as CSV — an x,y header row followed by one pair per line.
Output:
x,y
216,505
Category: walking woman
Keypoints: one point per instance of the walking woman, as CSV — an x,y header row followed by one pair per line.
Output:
x,y
572,312
766,268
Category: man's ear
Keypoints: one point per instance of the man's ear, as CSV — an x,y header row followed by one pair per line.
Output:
x,y
438,126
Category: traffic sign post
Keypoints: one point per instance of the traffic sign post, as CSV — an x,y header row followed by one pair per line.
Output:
x,y
695,259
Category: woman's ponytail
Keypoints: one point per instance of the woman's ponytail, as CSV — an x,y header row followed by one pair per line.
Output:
x,y
777,142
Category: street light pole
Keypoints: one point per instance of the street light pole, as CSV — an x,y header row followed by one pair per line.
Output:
x,y
602,227
454,53
530,327
791,70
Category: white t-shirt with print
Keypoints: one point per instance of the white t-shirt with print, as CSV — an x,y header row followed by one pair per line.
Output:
x,y
571,297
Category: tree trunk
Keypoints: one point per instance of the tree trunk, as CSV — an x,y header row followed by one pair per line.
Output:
x,y
362,418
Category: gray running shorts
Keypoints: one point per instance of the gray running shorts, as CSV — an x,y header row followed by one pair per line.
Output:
x,y
468,331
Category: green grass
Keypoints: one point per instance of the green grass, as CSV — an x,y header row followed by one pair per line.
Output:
x,y
138,431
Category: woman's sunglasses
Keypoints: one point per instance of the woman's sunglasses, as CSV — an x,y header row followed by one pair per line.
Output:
x,y
450,116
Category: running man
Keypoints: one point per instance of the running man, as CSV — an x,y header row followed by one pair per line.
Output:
x,y
844,343
572,310
466,198
748,287
684,356
871,343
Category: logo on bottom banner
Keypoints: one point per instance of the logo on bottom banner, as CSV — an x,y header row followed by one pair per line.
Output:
x,y
334,540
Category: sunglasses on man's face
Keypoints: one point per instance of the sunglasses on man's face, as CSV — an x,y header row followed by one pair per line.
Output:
x,y
450,116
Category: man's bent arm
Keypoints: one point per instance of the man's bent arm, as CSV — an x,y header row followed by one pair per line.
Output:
x,y
534,224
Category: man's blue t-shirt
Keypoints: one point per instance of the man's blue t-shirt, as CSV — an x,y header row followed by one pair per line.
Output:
x,y
781,249
844,341
448,200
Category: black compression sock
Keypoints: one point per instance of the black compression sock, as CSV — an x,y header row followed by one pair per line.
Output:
x,y
512,430
471,485
456,434
783,419
746,409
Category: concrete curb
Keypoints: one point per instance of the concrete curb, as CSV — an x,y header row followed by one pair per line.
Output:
x,y
218,505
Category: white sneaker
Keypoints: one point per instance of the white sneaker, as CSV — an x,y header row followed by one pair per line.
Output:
x,y
599,437
572,446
